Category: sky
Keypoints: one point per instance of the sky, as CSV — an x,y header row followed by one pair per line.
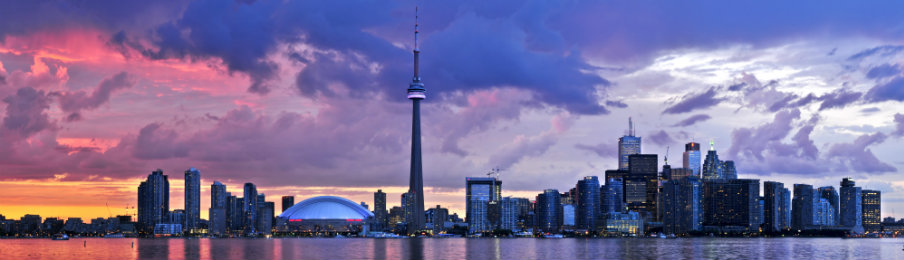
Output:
x,y
307,98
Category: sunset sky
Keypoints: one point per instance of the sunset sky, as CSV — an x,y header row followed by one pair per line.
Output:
x,y
307,98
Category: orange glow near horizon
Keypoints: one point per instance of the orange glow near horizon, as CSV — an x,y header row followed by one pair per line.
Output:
x,y
109,198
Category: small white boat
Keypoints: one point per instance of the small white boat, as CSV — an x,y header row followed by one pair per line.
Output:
x,y
60,237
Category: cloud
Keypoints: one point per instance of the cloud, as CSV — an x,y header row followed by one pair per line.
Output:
x,y
691,102
899,125
661,138
838,99
605,150
692,120
154,142
761,149
883,71
891,90
74,102
25,112
885,50
856,156
525,146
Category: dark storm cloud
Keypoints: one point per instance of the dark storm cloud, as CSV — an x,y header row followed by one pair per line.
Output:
x,y
692,120
891,90
694,101
74,102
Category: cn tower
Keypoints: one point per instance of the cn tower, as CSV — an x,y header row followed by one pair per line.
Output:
x,y
416,93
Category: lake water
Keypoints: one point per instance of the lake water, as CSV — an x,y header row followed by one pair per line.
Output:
x,y
454,248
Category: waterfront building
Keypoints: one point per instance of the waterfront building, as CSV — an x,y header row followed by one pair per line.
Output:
x,y
396,216
153,201
731,205
802,208
287,202
480,192
629,223
511,213
774,207
612,196
325,214
587,204
249,208
831,195
628,145
851,206
416,92
872,208
682,205
823,213
217,211
437,217
549,211
381,216
235,220
192,201
568,216
692,158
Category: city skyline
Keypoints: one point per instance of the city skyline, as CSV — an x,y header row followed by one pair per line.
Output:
x,y
93,106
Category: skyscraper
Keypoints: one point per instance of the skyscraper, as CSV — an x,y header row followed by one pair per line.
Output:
x,y
612,196
416,92
872,208
851,206
234,213
627,145
643,172
438,218
713,168
549,211
381,216
153,201
249,208
480,192
511,211
728,170
217,211
692,157
774,207
587,204
287,202
731,205
829,193
192,201
682,205
802,207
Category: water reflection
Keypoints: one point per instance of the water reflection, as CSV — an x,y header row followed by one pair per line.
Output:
x,y
152,249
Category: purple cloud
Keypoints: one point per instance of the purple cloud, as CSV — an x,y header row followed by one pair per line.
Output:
x,y
74,102
857,156
691,102
605,150
25,112
899,125
838,99
661,138
883,71
892,90
692,120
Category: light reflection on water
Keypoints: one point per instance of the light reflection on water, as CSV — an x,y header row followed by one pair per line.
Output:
x,y
454,248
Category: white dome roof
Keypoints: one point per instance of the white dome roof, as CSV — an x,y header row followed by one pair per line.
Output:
x,y
326,207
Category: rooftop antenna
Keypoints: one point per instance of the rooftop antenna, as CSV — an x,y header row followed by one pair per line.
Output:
x,y
630,127
712,144
667,155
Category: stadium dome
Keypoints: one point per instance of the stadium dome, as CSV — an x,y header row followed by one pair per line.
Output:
x,y
326,208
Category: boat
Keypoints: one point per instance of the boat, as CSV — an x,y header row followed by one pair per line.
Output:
x,y
553,236
60,237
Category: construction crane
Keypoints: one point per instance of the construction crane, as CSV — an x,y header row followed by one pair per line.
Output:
x,y
667,155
